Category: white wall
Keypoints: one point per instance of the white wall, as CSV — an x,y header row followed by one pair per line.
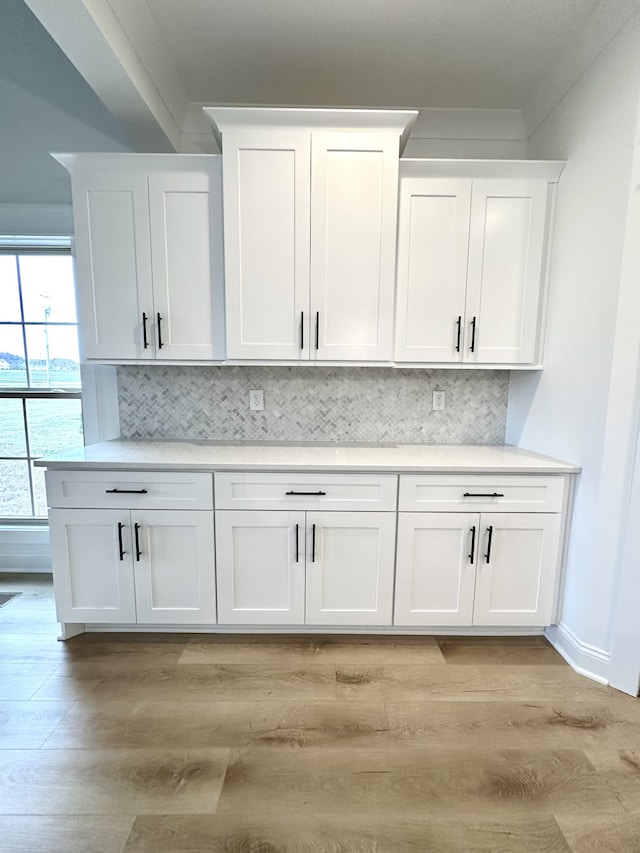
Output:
x,y
569,411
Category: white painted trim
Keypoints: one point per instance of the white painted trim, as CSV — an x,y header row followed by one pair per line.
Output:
x,y
24,548
500,169
311,118
371,630
586,659
100,414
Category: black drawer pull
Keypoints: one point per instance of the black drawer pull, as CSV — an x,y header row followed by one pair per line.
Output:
x,y
483,495
313,494
136,528
121,551
487,556
125,491
472,555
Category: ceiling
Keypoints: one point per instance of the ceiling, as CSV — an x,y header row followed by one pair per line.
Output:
x,y
133,74
405,53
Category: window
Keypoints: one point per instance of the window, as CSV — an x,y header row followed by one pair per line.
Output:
x,y
40,399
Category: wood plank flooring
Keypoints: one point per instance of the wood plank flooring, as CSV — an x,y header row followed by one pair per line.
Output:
x,y
259,744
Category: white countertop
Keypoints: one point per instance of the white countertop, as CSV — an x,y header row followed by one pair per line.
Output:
x,y
314,456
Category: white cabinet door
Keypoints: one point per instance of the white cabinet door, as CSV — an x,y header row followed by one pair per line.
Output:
x,y
433,239
436,568
266,240
505,274
350,562
174,567
113,262
354,187
517,569
91,555
185,222
260,567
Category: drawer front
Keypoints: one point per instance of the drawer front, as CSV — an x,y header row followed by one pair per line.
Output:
x,y
480,493
306,491
129,489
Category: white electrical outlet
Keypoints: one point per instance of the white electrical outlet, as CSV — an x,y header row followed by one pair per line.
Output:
x,y
256,401
438,401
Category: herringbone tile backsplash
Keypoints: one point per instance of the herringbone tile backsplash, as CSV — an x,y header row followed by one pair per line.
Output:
x,y
362,404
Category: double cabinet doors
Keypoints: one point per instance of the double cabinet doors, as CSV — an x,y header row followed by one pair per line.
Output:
x,y
471,270
116,566
477,568
296,567
148,256
310,234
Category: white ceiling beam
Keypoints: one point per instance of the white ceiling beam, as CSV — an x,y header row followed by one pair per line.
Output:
x,y
129,70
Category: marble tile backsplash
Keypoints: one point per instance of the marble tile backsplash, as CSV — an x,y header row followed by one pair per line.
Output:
x,y
361,404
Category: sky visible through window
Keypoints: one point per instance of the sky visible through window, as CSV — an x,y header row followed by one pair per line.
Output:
x,y
38,353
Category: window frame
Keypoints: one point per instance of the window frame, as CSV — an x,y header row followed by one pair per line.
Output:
x,y
17,246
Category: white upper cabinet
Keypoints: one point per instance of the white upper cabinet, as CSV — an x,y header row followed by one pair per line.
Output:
x,y
266,234
473,244
148,247
310,201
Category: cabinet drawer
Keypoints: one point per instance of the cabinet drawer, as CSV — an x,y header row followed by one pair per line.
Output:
x,y
480,493
133,489
306,491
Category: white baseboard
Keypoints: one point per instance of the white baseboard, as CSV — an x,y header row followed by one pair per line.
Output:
x,y
24,549
585,659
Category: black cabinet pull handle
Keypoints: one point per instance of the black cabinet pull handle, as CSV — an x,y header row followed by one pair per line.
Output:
x,y
144,330
317,329
302,330
473,335
125,491
121,551
297,551
136,528
459,324
313,543
159,331
483,495
473,545
487,556
306,493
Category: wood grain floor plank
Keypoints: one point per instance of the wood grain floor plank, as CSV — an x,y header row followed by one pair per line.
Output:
x,y
129,782
602,834
621,770
220,724
41,648
64,833
22,681
512,725
343,834
467,683
523,651
185,682
27,725
282,651
492,784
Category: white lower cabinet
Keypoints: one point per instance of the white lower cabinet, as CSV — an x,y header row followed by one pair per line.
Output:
x,y
314,568
129,565
464,569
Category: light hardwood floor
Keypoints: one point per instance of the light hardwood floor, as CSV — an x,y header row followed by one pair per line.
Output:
x,y
181,743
